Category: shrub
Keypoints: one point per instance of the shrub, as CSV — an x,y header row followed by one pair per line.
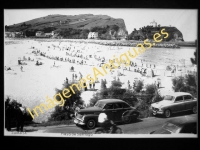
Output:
x,y
130,98
188,83
115,83
64,112
139,86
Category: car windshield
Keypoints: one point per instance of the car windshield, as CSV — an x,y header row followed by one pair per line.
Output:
x,y
170,127
169,97
99,104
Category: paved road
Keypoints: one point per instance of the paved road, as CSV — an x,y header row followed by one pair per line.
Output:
x,y
144,126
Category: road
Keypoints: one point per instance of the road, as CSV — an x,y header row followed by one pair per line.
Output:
x,y
141,126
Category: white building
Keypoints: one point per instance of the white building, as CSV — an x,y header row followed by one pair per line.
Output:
x,y
39,34
153,23
93,35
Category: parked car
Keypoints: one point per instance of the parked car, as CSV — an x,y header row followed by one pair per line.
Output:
x,y
116,110
181,125
174,103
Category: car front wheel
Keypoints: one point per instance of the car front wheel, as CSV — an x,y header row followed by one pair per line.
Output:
x,y
194,109
91,124
167,113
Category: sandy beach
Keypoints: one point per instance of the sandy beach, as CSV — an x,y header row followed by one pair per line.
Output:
x,y
31,86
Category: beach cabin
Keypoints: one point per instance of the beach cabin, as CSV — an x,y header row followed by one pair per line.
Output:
x,y
93,35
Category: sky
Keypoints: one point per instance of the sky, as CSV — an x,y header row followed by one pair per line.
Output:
x,y
184,20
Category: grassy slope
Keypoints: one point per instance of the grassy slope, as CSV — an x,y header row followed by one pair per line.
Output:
x,y
75,22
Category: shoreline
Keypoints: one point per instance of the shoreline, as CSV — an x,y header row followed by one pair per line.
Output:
x,y
125,43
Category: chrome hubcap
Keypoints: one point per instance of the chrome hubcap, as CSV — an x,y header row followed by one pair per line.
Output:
x,y
167,113
91,123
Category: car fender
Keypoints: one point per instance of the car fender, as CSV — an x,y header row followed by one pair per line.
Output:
x,y
90,116
129,113
167,107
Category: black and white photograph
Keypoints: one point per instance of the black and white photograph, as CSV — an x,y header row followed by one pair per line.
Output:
x,y
101,72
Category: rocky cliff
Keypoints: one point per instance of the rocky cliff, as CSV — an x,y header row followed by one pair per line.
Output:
x,y
148,32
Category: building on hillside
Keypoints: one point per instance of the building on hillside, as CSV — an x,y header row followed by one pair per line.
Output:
x,y
153,23
13,34
63,22
39,34
8,34
93,35
52,33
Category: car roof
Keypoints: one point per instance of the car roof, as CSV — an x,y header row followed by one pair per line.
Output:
x,y
183,120
178,94
106,101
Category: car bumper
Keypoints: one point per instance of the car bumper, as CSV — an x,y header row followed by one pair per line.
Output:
x,y
157,112
78,121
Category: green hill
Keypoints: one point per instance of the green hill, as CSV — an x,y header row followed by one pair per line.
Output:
x,y
77,26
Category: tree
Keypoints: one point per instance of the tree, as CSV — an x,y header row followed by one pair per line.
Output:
x,y
116,84
150,92
185,84
64,112
103,84
139,86
194,60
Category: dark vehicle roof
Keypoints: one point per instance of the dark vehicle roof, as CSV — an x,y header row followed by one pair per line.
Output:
x,y
106,101
183,121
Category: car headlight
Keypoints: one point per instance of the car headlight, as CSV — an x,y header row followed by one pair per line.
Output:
x,y
160,108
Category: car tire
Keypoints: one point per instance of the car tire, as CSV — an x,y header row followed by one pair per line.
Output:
x,y
194,109
127,119
167,113
91,123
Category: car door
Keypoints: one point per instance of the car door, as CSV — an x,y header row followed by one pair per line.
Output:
x,y
109,111
118,112
178,105
189,102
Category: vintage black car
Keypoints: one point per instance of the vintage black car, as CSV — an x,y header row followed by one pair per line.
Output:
x,y
116,110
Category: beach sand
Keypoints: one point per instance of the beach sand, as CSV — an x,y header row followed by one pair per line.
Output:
x,y
31,86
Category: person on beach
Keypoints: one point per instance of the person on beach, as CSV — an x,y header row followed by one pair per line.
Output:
x,y
21,69
90,83
76,76
54,64
66,80
72,68
72,76
93,85
80,75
